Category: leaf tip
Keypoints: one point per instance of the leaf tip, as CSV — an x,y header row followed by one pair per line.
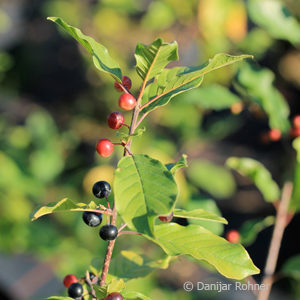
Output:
x,y
53,19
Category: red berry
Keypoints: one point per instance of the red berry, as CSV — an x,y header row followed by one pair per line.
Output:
x,y
166,219
296,121
114,296
233,236
115,120
295,132
104,147
69,279
275,135
126,83
127,101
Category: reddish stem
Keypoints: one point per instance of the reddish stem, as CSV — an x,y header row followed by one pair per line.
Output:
x,y
129,232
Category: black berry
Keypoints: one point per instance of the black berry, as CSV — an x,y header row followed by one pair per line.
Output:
x,y
75,290
92,219
101,189
108,232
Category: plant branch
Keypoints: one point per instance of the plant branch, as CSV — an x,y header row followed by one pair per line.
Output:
x,y
90,284
111,244
129,232
279,228
122,227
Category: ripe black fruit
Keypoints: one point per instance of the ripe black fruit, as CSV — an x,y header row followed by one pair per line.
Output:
x,y
75,290
92,219
101,189
108,232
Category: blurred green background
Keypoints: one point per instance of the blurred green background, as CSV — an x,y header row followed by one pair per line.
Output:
x,y
54,103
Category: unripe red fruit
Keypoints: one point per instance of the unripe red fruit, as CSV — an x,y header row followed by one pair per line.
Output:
x,y
233,236
296,121
295,132
115,120
104,147
126,83
69,279
275,135
127,101
166,219
114,296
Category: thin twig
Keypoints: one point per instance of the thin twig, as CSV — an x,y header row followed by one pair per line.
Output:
x,y
122,227
129,232
90,284
141,119
280,225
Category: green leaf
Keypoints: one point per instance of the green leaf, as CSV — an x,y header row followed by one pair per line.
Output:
x,y
258,174
101,57
101,291
199,214
181,163
58,298
151,59
62,206
214,179
231,260
115,286
213,96
257,84
210,205
126,136
252,228
134,296
274,16
171,82
144,189
129,265
295,200
291,267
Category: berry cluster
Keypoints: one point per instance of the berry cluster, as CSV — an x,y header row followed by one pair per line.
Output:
x,y
75,288
108,232
116,120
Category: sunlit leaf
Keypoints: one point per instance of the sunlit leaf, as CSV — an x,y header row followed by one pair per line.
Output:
x,y
181,163
151,59
171,82
144,189
128,265
230,259
101,57
62,206
199,214
209,205
258,174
